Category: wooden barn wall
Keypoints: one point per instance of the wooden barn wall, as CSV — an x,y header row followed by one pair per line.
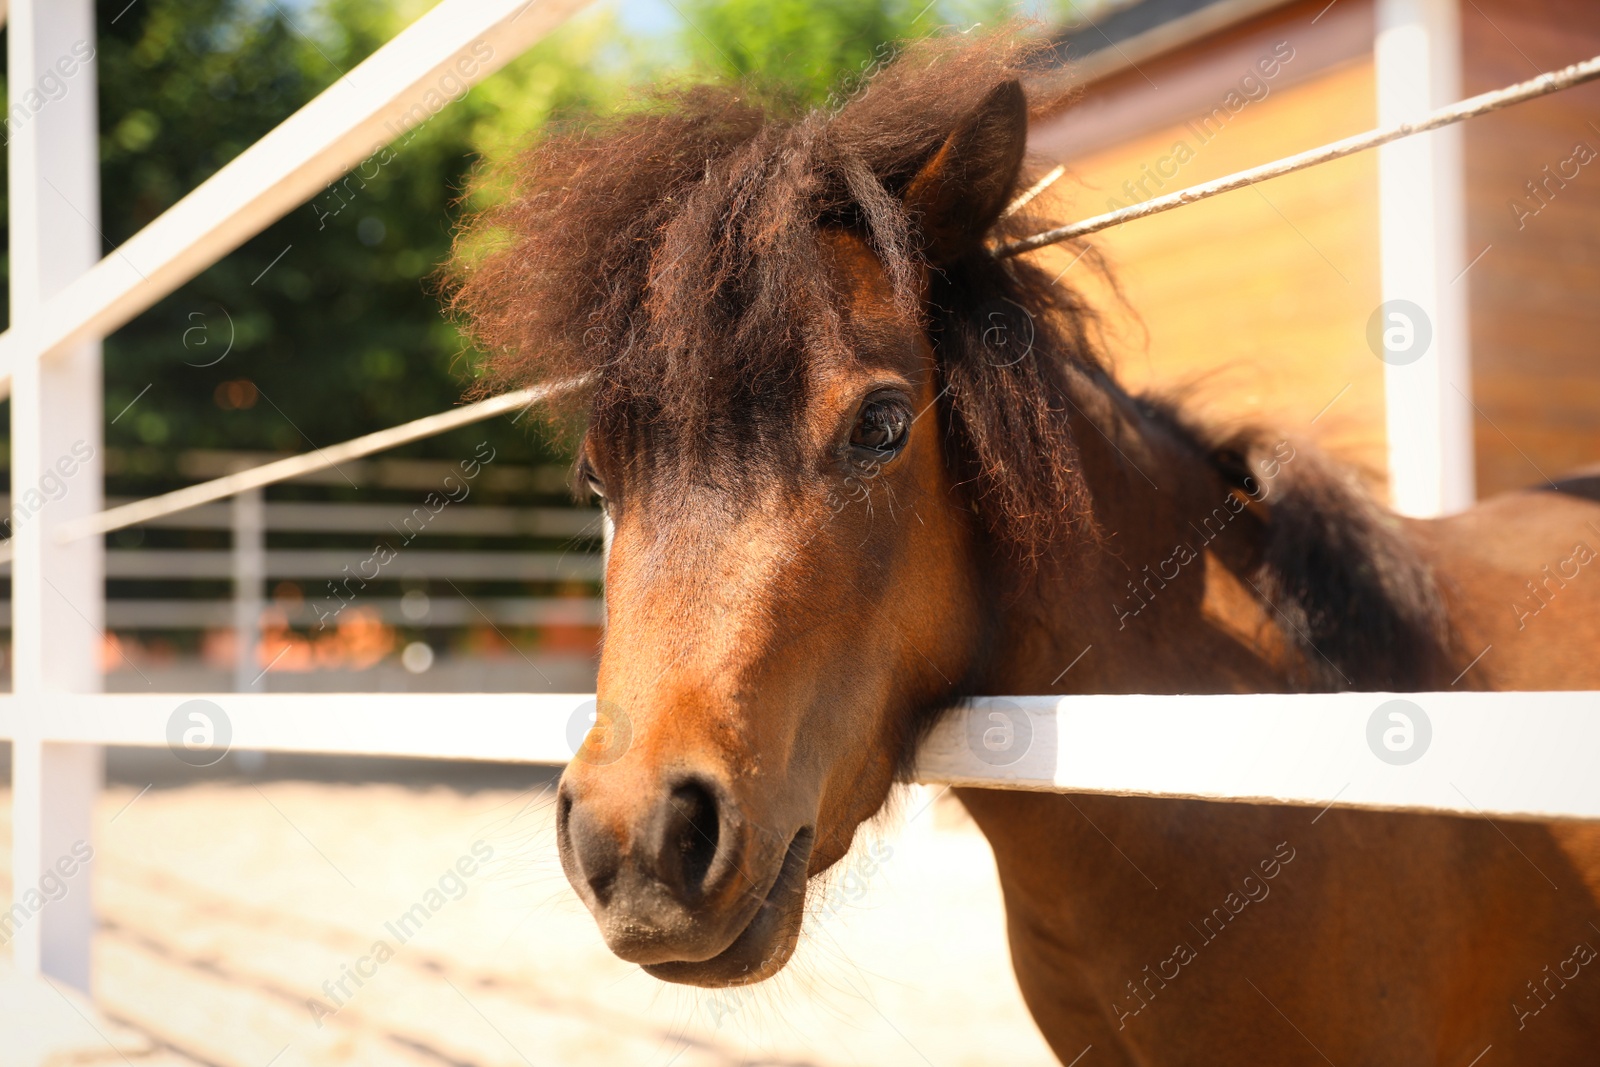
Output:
x,y
1533,203
1253,305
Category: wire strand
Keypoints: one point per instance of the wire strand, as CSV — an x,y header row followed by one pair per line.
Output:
x,y
1543,85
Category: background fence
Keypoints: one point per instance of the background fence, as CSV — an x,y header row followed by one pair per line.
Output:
x,y
222,595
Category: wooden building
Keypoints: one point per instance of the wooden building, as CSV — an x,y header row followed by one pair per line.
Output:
x,y
1265,303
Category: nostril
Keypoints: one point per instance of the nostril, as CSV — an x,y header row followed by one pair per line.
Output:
x,y
694,828
588,853
563,811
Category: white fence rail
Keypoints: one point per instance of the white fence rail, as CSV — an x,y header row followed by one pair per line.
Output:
x,y
316,563
477,520
440,613
1520,755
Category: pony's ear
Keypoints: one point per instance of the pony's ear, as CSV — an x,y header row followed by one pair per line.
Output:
x,y
962,188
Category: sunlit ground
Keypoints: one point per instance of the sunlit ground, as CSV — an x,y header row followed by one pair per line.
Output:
x,y
225,907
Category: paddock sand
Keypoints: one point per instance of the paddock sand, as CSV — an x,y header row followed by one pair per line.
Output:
x,y
224,906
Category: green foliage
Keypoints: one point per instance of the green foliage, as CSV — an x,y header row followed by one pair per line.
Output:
x,y
327,313
807,51
330,314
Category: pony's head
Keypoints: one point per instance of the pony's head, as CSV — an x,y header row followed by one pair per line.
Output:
x,y
827,428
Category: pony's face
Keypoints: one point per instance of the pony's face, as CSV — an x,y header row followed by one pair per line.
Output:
x,y
766,650
775,639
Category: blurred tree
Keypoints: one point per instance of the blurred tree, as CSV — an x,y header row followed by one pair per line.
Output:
x,y
324,325
809,49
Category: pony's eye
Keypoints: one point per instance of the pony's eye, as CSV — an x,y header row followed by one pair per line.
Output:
x,y
881,427
590,480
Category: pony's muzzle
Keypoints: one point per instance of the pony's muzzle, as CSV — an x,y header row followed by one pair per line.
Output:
x,y
663,872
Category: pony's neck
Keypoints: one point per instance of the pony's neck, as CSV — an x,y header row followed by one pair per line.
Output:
x,y
1164,601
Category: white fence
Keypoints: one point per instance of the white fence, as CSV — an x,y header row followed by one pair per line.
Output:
x,y
1512,754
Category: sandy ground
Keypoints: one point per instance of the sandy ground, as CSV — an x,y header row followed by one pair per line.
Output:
x,y
226,906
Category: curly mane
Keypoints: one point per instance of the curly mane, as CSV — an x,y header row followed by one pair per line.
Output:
x,y
667,257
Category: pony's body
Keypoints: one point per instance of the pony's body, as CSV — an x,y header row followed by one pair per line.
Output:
x,y
858,469
1387,938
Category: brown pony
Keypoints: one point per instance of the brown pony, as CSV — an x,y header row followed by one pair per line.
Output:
x,y
859,469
